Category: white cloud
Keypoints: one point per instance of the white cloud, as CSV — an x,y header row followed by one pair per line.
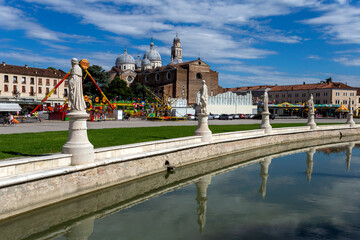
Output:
x,y
348,61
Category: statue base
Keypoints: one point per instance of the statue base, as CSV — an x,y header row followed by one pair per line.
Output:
x,y
265,122
203,128
350,120
78,143
311,121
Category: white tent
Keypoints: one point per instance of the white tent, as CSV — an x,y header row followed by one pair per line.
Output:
x,y
9,107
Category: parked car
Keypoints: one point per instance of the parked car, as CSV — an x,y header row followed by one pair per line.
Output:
x,y
216,116
249,116
259,116
225,117
211,117
242,116
235,116
190,117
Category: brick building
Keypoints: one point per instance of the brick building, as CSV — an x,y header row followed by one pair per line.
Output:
x,y
177,79
28,86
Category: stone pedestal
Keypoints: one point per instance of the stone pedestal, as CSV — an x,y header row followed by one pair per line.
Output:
x,y
265,122
311,121
78,143
203,128
350,119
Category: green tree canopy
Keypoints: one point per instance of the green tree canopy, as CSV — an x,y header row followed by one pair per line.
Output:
x,y
100,76
52,68
118,89
139,91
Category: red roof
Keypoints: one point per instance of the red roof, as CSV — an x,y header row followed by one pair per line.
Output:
x,y
30,71
331,85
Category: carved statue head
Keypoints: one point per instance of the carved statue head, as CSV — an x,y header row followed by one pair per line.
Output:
x,y
74,61
203,81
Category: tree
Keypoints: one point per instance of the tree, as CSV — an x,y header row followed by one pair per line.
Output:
x,y
100,76
140,92
51,68
118,88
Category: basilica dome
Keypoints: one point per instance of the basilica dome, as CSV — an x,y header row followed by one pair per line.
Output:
x,y
145,62
152,54
124,58
138,62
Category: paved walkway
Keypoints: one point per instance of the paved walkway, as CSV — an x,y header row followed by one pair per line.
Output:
x,y
46,125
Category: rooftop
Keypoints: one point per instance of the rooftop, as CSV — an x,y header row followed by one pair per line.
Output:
x,y
30,71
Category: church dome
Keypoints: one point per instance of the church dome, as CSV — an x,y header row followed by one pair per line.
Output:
x,y
138,62
175,61
145,62
152,54
176,39
124,58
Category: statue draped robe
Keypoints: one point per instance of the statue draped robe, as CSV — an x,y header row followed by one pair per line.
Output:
x,y
76,97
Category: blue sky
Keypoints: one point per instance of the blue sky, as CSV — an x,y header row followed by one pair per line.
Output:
x,y
250,42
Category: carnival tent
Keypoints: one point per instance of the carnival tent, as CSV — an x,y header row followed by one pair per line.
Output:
x,y
342,109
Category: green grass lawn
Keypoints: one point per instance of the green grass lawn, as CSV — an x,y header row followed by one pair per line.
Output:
x,y
35,144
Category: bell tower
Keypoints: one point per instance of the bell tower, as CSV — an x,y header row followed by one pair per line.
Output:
x,y
176,49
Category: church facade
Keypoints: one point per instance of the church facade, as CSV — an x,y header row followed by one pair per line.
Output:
x,y
176,79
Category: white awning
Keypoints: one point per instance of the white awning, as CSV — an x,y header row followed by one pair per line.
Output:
x,y
9,107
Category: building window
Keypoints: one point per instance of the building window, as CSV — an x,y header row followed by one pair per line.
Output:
x,y
168,75
352,102
55,82
352,94
32,80
40,82
65,92
55,91
317,101
124,67
157,77
6,78
337,94
31,91
40,90
47,82
23,89
66,83
296,95
270,96
198,76
324,101
146,78
14,79
47,90
277,95
23,80
337,101
317,94
303,95
6,88
130,79
325,94
345,101
345,94
289,95
14,89
283,95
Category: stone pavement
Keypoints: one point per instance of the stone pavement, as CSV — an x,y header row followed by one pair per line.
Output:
x,y
47,125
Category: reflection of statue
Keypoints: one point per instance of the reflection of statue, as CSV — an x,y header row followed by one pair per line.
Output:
x,y
311,104
266,101
349,149
202,107
76,98
310,162
81,230
264,173
201,187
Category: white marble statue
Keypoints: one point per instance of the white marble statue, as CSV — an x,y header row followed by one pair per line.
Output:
x,y
311,104
266,101
76,97
202,107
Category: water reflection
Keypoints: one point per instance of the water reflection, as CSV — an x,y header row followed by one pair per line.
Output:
x,y
264,173
201,199
79,218
310,162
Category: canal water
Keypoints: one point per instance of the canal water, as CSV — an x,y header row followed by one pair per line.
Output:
x,y
306,193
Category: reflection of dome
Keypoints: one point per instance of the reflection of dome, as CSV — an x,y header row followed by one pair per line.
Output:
x,y
145,62
138,62
124,58
152,54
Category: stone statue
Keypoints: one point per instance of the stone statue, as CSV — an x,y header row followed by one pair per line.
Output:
x,y
311,104
202,107
76,97
266,101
